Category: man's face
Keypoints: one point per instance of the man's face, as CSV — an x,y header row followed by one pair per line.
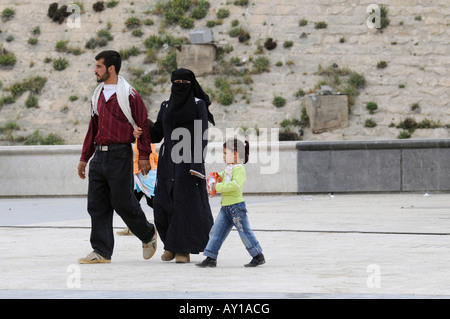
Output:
x,y
101,71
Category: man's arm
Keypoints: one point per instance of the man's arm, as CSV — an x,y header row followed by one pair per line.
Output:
x,y
140,116
88,148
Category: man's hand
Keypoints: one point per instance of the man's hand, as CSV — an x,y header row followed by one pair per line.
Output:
x,y
137,132
144,166
82,170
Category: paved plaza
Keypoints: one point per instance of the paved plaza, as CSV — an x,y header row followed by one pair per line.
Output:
x,y
316,246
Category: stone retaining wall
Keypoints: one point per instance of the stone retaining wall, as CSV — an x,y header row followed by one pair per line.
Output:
x,y
374,166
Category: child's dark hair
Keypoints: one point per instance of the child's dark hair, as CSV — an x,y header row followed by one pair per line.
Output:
x,y
242,148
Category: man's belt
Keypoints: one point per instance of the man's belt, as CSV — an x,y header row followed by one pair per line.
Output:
x,y
106,148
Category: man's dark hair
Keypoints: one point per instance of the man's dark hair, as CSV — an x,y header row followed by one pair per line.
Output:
x,y
110,58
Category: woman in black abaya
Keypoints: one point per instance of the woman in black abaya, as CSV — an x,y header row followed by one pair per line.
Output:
x,y
181,208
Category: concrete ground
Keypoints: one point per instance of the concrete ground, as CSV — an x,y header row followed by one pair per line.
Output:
x,y
316,246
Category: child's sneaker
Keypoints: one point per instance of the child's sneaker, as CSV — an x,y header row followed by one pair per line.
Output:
x,y
208,262
256,261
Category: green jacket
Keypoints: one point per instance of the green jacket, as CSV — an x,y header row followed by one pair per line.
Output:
x,y
232,183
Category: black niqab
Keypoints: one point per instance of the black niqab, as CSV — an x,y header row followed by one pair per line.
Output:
x,y
181,107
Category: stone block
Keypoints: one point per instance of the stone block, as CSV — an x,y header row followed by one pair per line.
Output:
x,y
426,169
373,166
326,112
349,171
201,36
198,58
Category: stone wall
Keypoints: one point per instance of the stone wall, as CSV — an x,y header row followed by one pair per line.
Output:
x,y
415,46
374,166
52,170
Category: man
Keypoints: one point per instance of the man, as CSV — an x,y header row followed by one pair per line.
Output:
x,y
114,105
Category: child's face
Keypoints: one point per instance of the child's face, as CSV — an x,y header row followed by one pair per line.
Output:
x,y
229,156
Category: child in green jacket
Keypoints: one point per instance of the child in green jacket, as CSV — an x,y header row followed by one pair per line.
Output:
x,y
233,211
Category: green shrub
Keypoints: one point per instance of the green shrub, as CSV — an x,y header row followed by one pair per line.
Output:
x,y
320,25
384,19
186,23
105,34
38,139
403,135
9,99
112,3
288,136
288,44
156,42
11,126
425,123
32,101
132,23
381,64
261,64
279,101
126,53
199,12
91,44
299,93
32,41
61,46
36,30
137,33
226,98
357,80
371,107
210,23
169,63
408,124
240,2
17,89
52,139
285,123
173,10
60,64
304,117
370,123
235,32
8,59
35,84
8,14
222,13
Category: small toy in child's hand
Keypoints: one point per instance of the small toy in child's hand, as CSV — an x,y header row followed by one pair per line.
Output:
x,y
213,178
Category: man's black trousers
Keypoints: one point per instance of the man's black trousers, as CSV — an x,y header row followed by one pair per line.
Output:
x,y
111,185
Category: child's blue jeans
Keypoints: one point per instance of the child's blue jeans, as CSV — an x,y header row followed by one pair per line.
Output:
x,y
229,216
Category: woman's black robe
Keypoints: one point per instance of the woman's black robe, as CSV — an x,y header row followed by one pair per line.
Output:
x,y
181,208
